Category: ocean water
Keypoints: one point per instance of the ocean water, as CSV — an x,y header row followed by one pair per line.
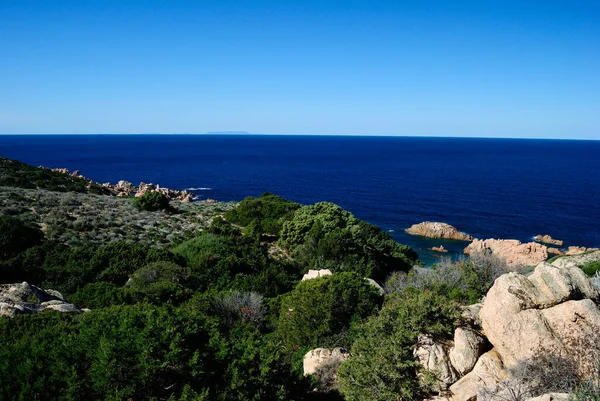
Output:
x,y
489,188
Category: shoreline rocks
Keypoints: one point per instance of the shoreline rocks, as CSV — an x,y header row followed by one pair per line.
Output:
x,y
439,249
125,188
512,251
549,240
431,229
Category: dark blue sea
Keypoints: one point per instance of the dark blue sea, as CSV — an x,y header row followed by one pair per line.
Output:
x,y
490,188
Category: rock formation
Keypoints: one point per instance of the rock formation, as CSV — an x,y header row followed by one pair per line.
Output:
x,y
433,356
316,273
319,357
576,250
181,196
22,298
438,249
551,312
548,240
124,188
432,229
539,320
511,250
576,260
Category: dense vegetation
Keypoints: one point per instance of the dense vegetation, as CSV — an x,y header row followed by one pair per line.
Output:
x,y
16,174
220,313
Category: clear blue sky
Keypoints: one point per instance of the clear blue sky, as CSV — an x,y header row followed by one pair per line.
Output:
x,y
445,68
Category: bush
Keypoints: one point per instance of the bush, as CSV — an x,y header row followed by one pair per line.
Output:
x,y
152,201
17,236
265,214
235,306
382,366
590,268
464,281
319,312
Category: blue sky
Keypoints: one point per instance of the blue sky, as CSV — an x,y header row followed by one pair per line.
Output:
x,y
444,68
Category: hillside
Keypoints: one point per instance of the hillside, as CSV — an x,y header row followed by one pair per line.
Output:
x,y
105,298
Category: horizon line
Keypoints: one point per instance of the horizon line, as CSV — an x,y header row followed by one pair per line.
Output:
x,y
244,133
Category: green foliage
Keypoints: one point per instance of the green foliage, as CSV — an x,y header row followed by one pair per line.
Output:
x,y
264,214
590,268
325,236
464,281
235,262
16,174
67,269
152,202
382,366
319,312
136,352
16,236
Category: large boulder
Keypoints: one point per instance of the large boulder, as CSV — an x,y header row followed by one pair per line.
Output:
x,y
433,356
316,359
20,298
488,372
512,251
433,229
316,274
469,345
552,313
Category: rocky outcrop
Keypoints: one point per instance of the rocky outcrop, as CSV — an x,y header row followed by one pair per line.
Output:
x,y
181,196
23,298
577,250
549,319
438,230
320,357
124,188
554,251
316,273
512,251
488,371
577,260
469,345
548,240
433,356
552,312
439,249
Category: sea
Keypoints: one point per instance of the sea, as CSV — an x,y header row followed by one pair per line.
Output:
x,y
489,188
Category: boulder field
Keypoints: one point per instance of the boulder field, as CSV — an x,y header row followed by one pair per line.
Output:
x,y
548,320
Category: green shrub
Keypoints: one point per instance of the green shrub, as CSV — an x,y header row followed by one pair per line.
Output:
x,y
17,236
266,213
152,201
318,312
590,268
382,366
325,236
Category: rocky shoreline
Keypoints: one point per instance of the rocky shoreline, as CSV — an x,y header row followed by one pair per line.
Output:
x,y
513,251
125,188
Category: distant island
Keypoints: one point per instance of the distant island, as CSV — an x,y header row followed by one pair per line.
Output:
x,y
227,133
